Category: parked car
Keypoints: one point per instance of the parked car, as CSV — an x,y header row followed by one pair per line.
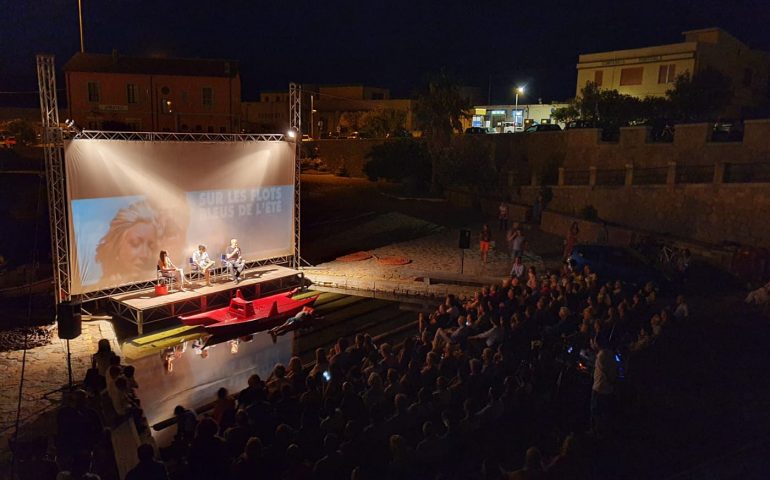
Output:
x,y
579,124
306,138
401,133
543,127
476,131
616,263
510,127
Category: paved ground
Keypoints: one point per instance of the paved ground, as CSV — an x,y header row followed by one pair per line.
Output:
x,y
45,374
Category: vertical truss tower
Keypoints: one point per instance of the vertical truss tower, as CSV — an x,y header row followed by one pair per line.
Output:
x,y
295,124
54,174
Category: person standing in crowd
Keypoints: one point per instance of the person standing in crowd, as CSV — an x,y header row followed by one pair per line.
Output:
x,y
571,240
516,240
485,240
502,216
537,208
234,261
517,270
603,389
204,262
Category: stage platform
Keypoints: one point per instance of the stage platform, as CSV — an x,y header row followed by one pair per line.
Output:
x,y
145,307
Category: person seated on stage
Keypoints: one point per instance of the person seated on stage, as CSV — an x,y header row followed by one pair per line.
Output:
x,y
167,269
234,261
205,264
294,323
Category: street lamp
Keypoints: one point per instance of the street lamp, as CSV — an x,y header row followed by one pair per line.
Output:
x,y
519,90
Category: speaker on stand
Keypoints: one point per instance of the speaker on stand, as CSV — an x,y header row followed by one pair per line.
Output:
x,y
69,318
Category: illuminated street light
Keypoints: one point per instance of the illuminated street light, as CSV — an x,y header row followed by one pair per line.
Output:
x,y
519,90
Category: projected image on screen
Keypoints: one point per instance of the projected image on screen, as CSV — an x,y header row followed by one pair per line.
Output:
x,y
129,200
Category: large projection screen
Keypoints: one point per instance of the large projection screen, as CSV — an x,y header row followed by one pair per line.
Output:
x,y
128,200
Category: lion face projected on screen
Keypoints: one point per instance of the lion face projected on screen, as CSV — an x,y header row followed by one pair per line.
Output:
x,y
128,250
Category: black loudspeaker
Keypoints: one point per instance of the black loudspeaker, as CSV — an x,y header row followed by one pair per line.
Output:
x,y
70,318
465,239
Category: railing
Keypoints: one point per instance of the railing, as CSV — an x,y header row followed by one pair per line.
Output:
x,y
695,174
611,177
672,174
576,177
747,173
650,176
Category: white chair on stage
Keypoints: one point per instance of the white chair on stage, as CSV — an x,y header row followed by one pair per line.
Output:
x,y
195,270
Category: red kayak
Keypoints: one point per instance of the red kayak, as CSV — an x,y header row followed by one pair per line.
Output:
x,y
256,315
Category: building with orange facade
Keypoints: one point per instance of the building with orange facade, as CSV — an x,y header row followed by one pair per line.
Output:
x,y
117,92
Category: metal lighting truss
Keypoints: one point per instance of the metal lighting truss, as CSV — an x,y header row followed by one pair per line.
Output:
x,y
295,123
54,173
178,137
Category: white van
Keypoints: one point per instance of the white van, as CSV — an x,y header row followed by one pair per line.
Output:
x,y
509,127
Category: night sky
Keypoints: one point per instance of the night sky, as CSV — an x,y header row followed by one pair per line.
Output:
x,y
393,43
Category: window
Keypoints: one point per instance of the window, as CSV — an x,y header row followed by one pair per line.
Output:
x,y
208,96
93,92
598,77
631,76
666,73
131,93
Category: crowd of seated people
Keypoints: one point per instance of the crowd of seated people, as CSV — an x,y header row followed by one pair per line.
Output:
x,y
108,399
479,392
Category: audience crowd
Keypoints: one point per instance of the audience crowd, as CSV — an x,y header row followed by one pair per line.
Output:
x,y
520,381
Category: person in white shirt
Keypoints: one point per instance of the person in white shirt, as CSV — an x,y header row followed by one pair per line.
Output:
x,y
517,270
603,389
203,262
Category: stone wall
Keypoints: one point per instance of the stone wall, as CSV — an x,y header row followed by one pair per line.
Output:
x,y
519,157
707,213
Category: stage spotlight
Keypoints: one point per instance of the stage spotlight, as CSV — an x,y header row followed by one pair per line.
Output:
x,y
291,134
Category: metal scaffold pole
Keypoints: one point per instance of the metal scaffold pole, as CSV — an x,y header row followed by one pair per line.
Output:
x,y
295,124
54,173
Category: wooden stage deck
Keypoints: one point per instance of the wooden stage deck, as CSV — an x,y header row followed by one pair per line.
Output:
x,y
144,307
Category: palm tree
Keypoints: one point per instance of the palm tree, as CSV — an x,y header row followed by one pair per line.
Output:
x,y
438,111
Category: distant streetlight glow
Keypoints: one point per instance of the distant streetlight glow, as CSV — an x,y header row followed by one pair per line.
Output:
x,y
519,90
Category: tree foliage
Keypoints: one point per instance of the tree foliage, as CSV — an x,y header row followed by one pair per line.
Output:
x,y
470,162
398,160
378,123
438,111
701,97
